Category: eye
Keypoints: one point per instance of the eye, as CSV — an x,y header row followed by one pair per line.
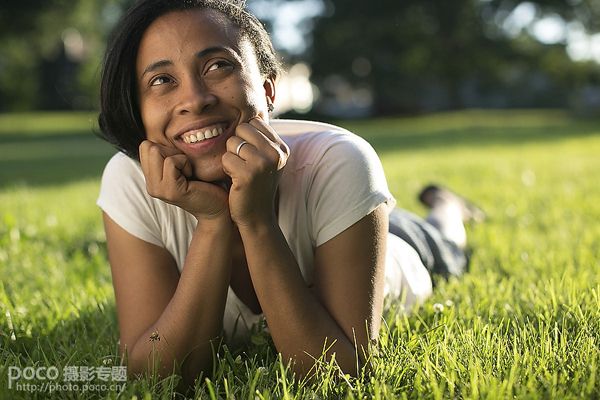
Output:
x,y
219,65
160,80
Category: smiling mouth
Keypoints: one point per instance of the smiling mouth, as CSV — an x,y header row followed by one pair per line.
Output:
x,y
199,135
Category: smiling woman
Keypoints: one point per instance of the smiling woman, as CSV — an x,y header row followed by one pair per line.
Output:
x,y
217,217
193,62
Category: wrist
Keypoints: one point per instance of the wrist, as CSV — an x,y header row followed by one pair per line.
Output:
x,y
220,222
258,227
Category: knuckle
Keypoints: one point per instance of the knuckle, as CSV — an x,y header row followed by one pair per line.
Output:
x,y
152,190
263,164
231,145
227,158
170,162
152,148
143,149
273,152
282,162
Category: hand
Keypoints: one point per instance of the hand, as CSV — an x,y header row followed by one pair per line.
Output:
x,y
254,172
168,176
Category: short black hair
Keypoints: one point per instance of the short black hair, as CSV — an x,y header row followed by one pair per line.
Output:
x,y
119,119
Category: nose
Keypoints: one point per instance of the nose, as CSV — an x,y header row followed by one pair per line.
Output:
x,y
196,97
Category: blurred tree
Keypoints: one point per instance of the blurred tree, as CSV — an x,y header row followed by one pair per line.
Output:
x,y
586,12
50,52
418,55
385,57
20,16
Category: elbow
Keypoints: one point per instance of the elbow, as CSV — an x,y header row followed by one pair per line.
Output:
x,y
144,361
343,364
136,367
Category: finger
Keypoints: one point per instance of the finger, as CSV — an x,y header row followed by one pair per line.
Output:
x,y
176,167
252,135
151,160
233,165
283,150
244,152
270,132
259,140
266,129
167,151
143,152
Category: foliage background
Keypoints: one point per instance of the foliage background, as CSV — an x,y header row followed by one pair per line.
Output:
x,y
385,58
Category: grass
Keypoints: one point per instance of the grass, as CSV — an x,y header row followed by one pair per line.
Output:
x,y
524,323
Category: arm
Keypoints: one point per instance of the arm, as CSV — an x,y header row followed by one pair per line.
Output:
x,y
347,306
153,302
151,297
348,268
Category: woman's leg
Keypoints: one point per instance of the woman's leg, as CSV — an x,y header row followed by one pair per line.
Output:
x,y
440,240
438,254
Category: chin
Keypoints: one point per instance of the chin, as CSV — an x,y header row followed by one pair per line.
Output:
x,y
209,174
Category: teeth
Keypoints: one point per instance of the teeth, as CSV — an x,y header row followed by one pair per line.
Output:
x,y
198,136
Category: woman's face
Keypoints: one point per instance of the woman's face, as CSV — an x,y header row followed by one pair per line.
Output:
x,y
198,79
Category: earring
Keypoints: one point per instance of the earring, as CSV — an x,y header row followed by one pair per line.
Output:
x,y
270,106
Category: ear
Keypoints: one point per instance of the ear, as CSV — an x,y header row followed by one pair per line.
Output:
x,y
269,86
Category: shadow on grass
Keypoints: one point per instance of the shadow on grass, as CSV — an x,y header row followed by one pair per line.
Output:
x,y
53,159
386,138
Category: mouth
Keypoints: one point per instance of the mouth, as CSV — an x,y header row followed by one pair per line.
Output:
x,y
196,135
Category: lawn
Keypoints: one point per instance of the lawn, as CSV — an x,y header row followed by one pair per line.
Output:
x,y
523,323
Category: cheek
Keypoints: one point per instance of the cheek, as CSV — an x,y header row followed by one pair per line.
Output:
x,y
246,94
250,99
154,118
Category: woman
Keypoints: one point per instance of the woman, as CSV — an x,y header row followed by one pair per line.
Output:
x,y
229,217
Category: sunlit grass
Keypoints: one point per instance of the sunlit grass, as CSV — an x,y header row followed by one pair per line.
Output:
x,y
524,322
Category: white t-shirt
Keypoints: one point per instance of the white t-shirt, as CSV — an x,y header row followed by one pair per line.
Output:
x,y
332,179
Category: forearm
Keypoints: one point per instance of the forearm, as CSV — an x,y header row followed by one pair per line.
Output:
x,y
298,322
193,318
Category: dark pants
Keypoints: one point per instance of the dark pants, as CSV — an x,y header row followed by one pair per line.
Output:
x,y
440,256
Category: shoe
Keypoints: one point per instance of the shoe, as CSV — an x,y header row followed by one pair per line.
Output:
x,y
432,194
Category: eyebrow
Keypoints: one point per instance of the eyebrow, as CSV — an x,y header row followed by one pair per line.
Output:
x,y
165,63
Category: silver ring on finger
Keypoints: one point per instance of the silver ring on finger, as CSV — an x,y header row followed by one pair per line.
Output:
x,y
239,147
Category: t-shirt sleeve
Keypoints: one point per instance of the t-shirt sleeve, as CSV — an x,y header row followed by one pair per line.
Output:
x,y
124,198
348,182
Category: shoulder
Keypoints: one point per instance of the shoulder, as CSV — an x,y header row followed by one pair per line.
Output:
x,y
123,197
121,167
314,142
124,175
294,127
123,188
339,174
